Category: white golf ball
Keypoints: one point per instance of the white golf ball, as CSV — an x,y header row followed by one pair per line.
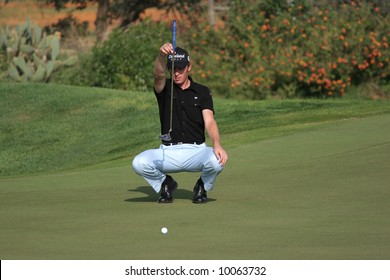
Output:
x,y
164,230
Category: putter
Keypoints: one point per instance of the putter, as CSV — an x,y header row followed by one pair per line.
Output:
x,y
167,137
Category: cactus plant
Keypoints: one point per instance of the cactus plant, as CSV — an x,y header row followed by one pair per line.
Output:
x,y
32,54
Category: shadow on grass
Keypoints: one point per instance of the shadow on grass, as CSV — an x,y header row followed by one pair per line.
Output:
x,y
151,196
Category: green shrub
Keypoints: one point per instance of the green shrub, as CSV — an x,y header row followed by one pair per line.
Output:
x,y
126,59
262,49
266,48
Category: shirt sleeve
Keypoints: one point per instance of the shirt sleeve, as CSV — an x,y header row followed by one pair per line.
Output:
x,y
207,100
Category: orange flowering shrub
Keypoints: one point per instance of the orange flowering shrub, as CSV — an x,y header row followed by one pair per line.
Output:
x,y
293,50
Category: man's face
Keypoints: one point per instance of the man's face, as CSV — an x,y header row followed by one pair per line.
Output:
x,y
181,75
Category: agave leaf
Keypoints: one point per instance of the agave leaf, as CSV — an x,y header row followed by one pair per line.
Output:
x,y
40,74
24,77
37,60
22,65
54,44
27,49
13,73
43,43
50,68
71,61
37,35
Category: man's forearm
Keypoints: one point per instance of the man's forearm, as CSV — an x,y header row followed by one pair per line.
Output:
x,y
159,67
213,133
159,73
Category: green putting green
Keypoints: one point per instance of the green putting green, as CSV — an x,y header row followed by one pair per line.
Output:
x,y
317,194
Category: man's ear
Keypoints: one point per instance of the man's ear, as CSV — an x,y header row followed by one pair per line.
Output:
x,y
189,67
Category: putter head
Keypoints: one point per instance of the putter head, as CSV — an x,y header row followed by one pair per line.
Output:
x,y
166,137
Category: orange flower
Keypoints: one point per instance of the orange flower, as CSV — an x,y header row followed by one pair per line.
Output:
x,y
342,60
302,63
322,71
327,83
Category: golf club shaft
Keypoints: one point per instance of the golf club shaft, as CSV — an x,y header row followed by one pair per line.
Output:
x,y
173,71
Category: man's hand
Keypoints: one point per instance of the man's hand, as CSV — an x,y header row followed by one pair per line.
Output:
x,y
166,49
159,67
221,155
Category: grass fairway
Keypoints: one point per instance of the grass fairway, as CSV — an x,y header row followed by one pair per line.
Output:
x,y
321,193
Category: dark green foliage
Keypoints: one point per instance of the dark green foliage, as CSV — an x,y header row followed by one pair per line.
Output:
x,y
260,49
270,49
126,59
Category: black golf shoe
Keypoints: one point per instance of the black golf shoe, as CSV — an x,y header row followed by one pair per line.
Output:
x,y
200,194
167,188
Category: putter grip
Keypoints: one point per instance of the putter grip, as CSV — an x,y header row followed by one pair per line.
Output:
x,y
174,35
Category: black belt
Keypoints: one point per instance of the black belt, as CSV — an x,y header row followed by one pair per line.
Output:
x,y
181,143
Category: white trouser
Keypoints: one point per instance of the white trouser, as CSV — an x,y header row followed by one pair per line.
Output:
x,y
154,164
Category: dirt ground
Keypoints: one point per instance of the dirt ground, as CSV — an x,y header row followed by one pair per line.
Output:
x,y
16,12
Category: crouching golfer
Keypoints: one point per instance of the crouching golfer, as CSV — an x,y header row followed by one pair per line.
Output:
x,y
183,147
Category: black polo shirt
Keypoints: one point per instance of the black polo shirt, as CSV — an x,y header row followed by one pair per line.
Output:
x,y
187,121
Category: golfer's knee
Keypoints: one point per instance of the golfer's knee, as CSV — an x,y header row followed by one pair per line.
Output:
x,y
139,164
214,164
